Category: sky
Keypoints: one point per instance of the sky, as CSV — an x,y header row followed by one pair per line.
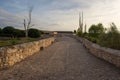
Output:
x,y
59,15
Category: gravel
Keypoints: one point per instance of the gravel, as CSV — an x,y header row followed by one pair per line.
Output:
x,y
66,59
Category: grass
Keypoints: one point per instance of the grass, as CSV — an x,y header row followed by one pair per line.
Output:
x,y
15,41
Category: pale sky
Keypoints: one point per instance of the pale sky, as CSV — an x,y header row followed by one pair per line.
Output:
x,y
59,14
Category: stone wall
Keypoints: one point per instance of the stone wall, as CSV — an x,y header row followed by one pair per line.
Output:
x,y
16,53
110,55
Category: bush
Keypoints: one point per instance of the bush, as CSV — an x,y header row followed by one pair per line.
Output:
x,y
33,33
8,30
85,34
96,30
79,33
12,32
18,33
13,41
6,35
110,39
0,30
94,40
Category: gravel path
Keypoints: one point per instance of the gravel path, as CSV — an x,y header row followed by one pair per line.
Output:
x,y
66,59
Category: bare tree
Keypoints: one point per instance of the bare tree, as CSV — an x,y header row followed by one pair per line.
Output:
x,y
27,22
85,28
81,22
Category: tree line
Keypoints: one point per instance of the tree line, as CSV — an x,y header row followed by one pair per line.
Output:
x,y
10,31
107,37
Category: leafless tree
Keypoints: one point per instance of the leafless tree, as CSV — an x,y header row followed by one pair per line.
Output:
x,y
85,28
81,22
27,22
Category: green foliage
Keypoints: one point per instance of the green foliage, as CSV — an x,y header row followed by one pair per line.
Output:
x,y
0,30
105,37
111,38
113,29
12,32
94,40
18,33
85,34
33,33
79,33
96,30
13,41
8,30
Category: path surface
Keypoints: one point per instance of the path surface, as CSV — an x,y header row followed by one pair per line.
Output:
x,y
66,59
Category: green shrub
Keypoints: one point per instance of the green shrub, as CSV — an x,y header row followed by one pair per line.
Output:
x,y
94,40
5,35
85,34
96,30
18,33
12,32
8,30
110,39
13,41
79,33
0,30
33,33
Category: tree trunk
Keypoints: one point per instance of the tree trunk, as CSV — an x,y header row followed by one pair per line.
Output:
x,y
26,33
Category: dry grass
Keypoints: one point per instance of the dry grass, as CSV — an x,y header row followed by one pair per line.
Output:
x,y
15,41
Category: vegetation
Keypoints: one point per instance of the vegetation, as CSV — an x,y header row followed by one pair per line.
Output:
x,y
27,21
80,29
33,33
14,41
111,38
96,30
16,36
10,31
105,37
79,33
0,30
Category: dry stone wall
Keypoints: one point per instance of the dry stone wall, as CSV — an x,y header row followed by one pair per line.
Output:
x,y
108,54
16,53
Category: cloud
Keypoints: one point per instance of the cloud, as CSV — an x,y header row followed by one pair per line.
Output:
x,y
60,14
7,18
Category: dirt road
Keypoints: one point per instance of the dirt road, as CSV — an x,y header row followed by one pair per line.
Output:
x,y
66,59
